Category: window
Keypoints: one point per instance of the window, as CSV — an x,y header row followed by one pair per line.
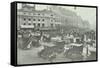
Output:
x,y
29,23
51,20
42,19
34,24
38,19
51,15
51,25
29,19
24,19
38,14
24,23
43,25
24,13
34,19
38,24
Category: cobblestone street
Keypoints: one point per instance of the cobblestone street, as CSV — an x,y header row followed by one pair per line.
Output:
x,y
30,56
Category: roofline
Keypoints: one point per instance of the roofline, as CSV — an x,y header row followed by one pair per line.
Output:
x,y
88,6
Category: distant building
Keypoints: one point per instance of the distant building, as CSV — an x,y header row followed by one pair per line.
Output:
x,y
30,18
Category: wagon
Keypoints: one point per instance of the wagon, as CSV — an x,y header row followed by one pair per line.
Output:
x,y
74,53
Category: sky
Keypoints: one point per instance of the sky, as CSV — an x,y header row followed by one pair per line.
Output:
x,y
88,14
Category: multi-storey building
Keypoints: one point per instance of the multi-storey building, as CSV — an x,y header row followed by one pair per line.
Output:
x,y
30,18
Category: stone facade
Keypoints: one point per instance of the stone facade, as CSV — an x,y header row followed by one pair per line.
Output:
x,y
29,17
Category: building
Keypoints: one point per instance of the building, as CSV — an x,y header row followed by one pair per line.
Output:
x,y
30,18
